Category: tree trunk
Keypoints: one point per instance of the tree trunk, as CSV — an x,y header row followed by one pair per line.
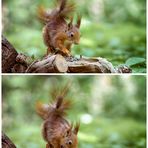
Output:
x,y
8,55
6,142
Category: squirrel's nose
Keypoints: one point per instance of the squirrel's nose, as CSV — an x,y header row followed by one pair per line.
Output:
x,y
69,142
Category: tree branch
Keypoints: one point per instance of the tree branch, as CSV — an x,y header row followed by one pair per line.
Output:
x,y
55,63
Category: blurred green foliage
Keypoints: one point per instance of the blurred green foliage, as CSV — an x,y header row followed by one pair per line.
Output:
x,y
113,29
111,109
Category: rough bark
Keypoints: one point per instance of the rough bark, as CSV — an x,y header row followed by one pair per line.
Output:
x,y
8,55
90,65
6,142
51,64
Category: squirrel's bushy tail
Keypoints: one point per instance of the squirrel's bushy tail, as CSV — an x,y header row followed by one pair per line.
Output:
x,y
42,109
58,108
64,10
44,15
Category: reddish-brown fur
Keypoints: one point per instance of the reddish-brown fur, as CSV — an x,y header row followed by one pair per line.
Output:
x,y
56,130
57,33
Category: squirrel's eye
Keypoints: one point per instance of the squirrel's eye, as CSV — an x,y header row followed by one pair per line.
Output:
x,y
66,134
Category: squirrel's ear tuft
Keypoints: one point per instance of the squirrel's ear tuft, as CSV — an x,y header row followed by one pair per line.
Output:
x,y
70,23
76,128
78,21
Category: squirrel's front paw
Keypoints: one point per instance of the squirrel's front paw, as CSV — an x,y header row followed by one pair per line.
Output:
x,y
67,53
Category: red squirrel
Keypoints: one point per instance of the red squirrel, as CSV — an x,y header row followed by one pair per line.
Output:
x,y
56,130
57,33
